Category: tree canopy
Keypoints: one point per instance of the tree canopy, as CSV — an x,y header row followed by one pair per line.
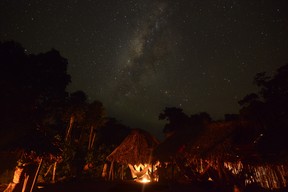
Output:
x,y
178,121
269,107
32,88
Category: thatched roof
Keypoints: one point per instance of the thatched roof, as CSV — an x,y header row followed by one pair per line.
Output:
x,y
212,136
167,150
136,148
226,141
214,141
223,140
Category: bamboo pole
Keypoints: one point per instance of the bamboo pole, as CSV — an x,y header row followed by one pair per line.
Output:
x,y
152,168
36,175
70,127
172,170
122,172
48,171
104,171
93,140
90,137
113,173
110,171
25,183
54,172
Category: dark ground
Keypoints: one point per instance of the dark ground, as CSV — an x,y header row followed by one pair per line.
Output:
x,y
130,186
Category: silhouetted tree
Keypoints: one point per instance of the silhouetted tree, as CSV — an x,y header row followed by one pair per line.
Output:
x,y
270,108
75,110
95,118
113,132
200,119
177,119
32,89
231,117
109,136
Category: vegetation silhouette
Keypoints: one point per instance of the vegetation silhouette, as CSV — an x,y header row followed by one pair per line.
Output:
x,y
32,90
269,108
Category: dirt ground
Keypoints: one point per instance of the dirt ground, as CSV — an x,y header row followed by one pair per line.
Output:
x,y
130,186
123,186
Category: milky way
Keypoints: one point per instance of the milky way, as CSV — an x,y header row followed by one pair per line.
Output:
x,y
143,64
144,53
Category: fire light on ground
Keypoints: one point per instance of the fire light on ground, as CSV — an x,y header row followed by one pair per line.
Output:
x,y
144,180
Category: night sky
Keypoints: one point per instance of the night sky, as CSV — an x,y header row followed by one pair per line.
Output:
x,y
140,56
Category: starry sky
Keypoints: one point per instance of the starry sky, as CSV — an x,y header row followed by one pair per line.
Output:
x,y
140,56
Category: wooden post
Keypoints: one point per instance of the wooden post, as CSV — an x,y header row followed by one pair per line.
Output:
x,y
48,171
71,122
113,173
104,171
26,177
93,140
110,171
152,172
54,172
122,172
36,175
90,137
172,170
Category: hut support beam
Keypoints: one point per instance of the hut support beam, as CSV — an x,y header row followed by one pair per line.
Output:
x,y
111,176
122,172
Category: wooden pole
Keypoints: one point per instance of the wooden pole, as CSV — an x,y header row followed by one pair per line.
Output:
x,y
90,137
54,172
26,177
93,140
152,172
48,171
110,171
122,172
36,175
172,170
104,171
71,122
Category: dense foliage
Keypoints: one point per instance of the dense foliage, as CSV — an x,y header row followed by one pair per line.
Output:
x,y
269,108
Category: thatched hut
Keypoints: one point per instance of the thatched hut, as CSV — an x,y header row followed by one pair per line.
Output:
x,y
228,152
135,151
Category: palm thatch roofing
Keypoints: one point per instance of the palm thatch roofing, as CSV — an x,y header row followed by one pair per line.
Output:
x,y
233,146
215,142
225,140
136,148
230,149
167,150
